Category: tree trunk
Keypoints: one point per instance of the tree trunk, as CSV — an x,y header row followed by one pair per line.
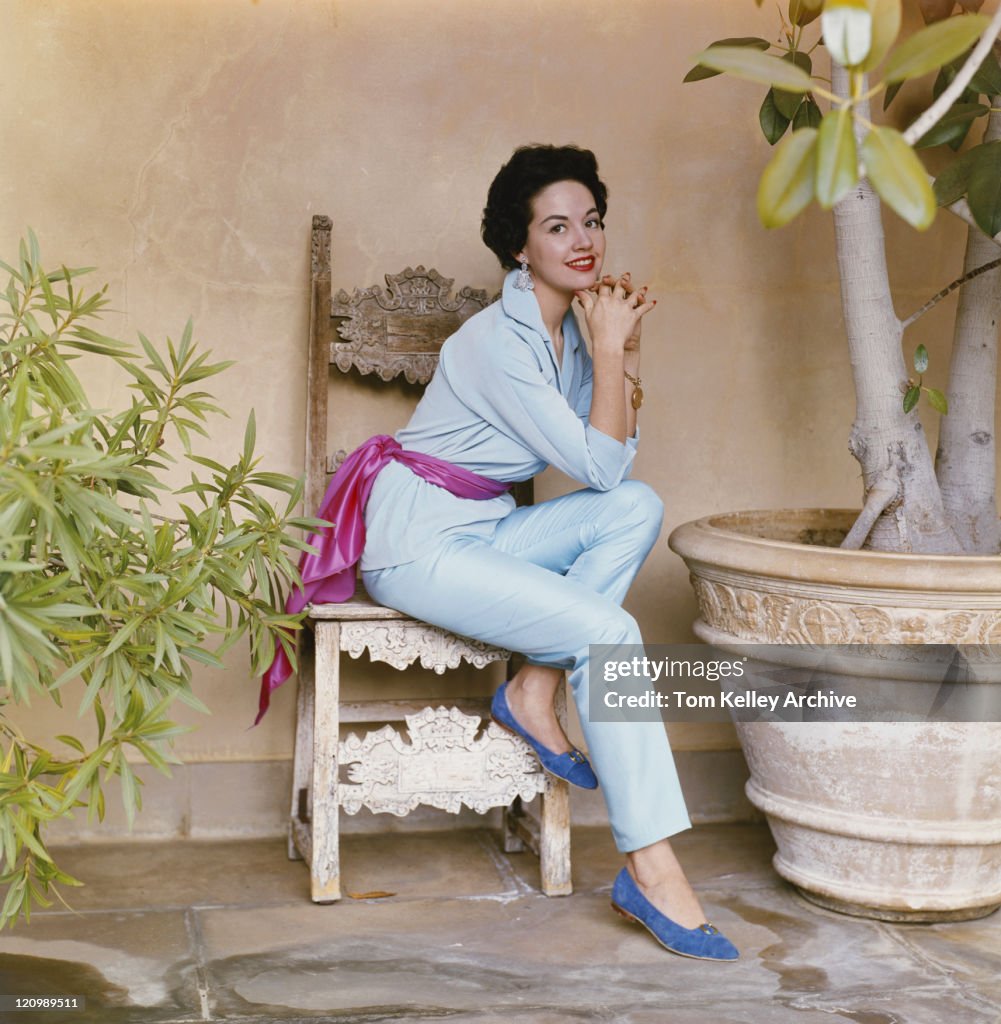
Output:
x,y
966,462
888,443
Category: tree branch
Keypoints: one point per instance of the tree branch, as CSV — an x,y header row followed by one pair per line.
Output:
x,y
958,283
880,495
952,92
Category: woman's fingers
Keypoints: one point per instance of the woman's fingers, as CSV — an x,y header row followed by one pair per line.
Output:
x,y
622,287
642,310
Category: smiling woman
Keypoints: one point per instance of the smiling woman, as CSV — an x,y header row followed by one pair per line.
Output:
x,y
515,391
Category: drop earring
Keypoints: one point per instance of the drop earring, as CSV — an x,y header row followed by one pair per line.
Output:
x,y
523,282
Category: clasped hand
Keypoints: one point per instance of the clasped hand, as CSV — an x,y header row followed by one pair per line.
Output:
x,y
614,310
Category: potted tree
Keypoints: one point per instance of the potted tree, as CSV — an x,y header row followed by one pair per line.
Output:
x,y
114,579
900,820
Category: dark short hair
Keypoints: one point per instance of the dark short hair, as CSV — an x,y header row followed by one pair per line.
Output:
x,y
531,169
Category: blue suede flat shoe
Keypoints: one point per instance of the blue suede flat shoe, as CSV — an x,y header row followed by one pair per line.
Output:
x,y
572,766
703,943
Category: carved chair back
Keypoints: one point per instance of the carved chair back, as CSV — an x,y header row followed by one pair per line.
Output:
x,y
392,332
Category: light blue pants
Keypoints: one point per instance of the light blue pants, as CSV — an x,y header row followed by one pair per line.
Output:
x,y
549,582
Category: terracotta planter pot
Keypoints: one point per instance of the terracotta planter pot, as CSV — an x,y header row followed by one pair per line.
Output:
x,y
895,820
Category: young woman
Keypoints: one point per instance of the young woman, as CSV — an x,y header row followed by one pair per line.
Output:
x,y
515,391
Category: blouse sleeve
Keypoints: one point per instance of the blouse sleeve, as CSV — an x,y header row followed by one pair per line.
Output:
x,y
502,381
582,404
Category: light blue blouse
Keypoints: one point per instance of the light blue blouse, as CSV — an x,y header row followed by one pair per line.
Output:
x,y
500,406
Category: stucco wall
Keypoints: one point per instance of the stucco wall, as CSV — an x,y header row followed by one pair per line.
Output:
x,y
182,147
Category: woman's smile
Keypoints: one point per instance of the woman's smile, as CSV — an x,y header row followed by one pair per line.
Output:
x,y
583,263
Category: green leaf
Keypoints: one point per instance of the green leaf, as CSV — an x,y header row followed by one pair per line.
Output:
x,y
957,120
987,78
837,157
933,46
131,800
808,115
26,835
898,176
787,103
756,67
886,18
955,142
787,183
72,741
921,359
954,180
891,91
249,437
938,400
911,398
802,12
984,192
772,122
700,71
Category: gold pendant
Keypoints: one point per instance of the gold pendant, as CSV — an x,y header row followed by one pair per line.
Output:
x,y
637,397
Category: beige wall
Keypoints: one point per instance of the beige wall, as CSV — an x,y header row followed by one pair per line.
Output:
x,y
182,147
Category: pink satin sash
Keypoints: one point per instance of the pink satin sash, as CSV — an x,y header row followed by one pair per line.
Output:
x,y
329,575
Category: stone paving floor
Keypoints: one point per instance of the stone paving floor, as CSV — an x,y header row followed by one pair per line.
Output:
x,y
193,931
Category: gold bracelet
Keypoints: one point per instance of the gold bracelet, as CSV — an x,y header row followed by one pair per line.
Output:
x,y
637,399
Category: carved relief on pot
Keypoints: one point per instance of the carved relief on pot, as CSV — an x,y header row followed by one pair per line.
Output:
x,y
779,618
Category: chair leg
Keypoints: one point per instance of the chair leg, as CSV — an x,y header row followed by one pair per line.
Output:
x,y
302,765
554,823
554,839
325,875
512,842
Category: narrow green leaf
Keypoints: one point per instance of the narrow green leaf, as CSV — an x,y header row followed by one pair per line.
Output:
x,y
153,356
911,398
837,157
756,67
72,741
131,800
954,180
700,72
921,359
933,46
938,400
773,123
27,837
898,176
787,183
984,192
249,437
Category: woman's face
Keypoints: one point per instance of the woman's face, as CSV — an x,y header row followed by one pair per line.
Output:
x,y
565,246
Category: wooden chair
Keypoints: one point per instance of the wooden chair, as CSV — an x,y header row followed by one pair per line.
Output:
x,y
441,758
